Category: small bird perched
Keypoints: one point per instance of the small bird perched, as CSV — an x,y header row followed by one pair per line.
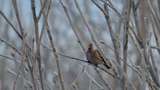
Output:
x,y
95,57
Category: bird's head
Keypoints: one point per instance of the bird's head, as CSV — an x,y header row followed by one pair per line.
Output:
x,y
90,46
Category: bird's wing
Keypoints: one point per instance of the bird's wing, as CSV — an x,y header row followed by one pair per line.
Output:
x,y
101,59
98,56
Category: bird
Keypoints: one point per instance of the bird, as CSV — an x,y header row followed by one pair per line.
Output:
x,y
95,57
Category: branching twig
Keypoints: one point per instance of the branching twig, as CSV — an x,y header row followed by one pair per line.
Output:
x,y
37,39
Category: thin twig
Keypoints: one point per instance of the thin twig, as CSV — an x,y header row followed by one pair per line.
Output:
x,y
42,9
73,27
8,58
37,39
14,2
10,45
125,42
54,52
9,22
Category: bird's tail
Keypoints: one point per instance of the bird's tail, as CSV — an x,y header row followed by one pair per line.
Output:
x,y
108,64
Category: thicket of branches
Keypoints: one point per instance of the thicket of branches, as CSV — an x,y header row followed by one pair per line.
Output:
x,y
43,44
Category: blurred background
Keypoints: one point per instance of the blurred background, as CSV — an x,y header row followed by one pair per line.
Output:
x,y
43,44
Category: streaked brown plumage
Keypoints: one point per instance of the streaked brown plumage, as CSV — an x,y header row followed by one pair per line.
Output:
x,y
95,57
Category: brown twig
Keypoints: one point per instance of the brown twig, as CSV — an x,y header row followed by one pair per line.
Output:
x,y
125,42
9,22
54,52
14,2
73,27
37,39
